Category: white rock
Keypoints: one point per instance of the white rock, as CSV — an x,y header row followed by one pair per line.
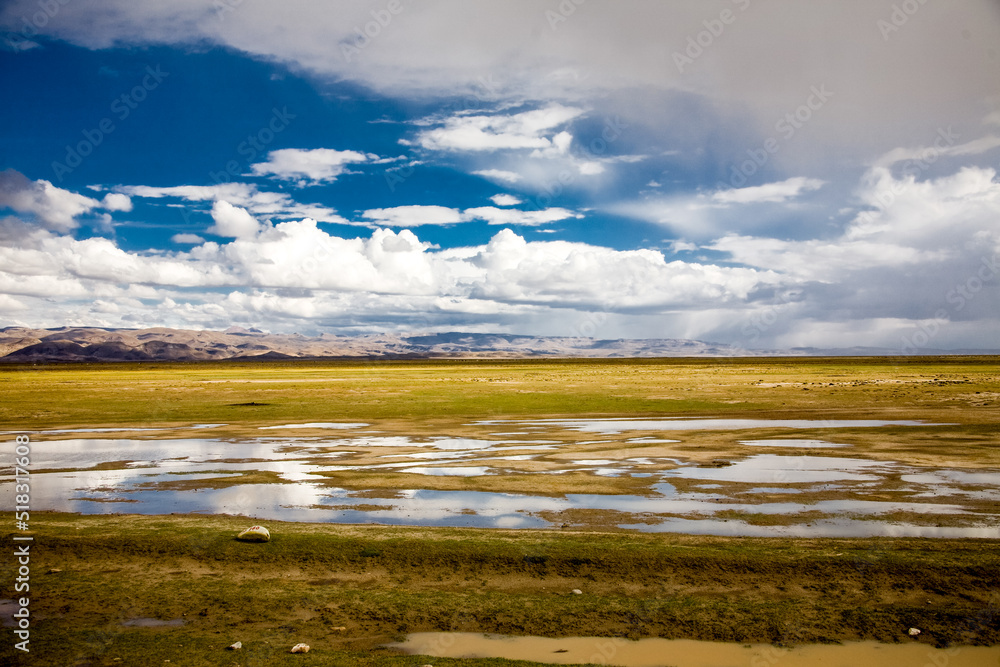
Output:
x,y
236,647
914,632
255,534
577,591
300,648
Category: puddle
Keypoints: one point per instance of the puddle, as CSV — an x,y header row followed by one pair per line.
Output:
x,y
464,471
800,444
617,426
657,652
955,477
760,494
324,425
774,468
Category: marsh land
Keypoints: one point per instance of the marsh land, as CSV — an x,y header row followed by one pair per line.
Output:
x,y
782,501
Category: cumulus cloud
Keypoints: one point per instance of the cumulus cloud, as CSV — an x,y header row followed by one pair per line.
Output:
x,y
505,200
187,238
296,271
417,215
414,216
53,207
509,216
114,201
921,251
525,130
929,224
308,166
232,221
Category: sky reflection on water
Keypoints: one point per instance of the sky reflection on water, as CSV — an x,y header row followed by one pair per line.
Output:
x,y
168,476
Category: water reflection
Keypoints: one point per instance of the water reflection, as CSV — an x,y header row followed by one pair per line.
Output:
x,y
619,425
824,495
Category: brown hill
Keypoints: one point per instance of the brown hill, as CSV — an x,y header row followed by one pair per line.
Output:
x,y
78,344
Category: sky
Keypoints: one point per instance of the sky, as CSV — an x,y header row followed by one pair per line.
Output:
x,y
762,173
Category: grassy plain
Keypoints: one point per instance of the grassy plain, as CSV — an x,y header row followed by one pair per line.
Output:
x,y
431,392
379,582
345,590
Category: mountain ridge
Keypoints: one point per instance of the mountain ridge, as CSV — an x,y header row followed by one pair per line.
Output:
x,y
99,344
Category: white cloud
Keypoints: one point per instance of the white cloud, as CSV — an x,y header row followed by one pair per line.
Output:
x,y
931,224
232,221
525,130
505,200
558,272
623,51
500,175
246,195
707,215
417,215
768,193
308,166
187,238
295,272
414,216
53,207
943,146
114,201
509,216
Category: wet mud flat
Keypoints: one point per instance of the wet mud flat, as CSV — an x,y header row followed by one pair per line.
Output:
x,y
829,477
355,588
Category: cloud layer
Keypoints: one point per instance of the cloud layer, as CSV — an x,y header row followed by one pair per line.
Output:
x,y
762,174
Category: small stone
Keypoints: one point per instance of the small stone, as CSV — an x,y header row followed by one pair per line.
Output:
x,y
236,647
255,534
339,628
54,570
577,591
300,648
914,632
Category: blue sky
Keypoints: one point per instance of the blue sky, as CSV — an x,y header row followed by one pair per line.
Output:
x,y
766,175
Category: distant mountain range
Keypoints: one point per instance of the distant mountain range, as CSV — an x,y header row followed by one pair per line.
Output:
x,y
89,344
